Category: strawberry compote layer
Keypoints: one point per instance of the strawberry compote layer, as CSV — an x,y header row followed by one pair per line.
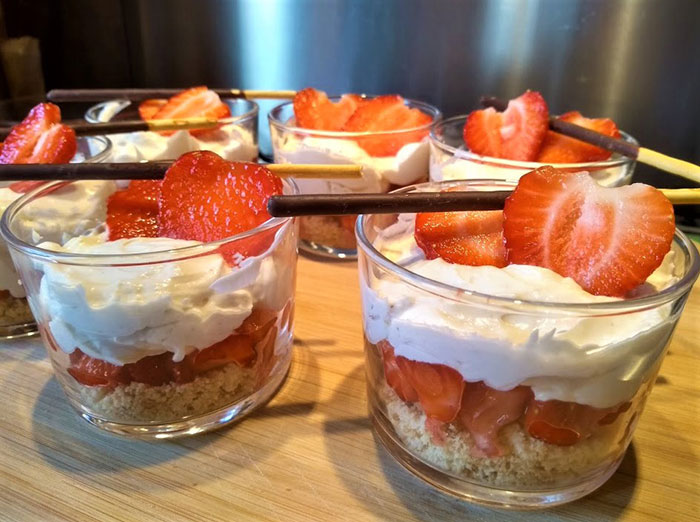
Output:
x,y
501,393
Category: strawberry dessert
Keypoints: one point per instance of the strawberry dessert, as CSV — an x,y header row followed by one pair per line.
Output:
x,y
387,135
510,353
174,314
42,138
505,145
235,140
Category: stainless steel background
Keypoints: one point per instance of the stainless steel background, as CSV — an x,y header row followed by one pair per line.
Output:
x,y
637,61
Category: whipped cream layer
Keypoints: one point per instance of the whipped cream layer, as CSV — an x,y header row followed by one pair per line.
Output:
x,y
122,314
599,361
75,209
231,142
410,164
456,167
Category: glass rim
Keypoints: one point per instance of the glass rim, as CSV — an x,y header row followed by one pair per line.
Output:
x,y
104,153
124,260
90,113
426,108
672,292
614,161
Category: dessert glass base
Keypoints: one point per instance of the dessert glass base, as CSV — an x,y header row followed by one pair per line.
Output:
x,y
194,424
476,493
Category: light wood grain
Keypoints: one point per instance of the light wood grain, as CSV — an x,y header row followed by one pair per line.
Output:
x,y
310,454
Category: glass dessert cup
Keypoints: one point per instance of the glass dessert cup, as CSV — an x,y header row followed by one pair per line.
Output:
x,y
166,343
333,236
16,318
550,392
451,160
237,140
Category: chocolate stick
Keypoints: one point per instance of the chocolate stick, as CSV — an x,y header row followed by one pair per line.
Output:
x,y
156,170
643,155
83,128
348,204
98,95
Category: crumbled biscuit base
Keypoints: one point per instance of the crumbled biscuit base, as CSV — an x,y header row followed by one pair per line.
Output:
x,y
528,463
14,310
138,402
327,231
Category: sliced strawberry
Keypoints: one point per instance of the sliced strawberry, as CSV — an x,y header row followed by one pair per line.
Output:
x,y
149,108
566,423
466,238
387,113
134,212
94,372
22,187
258,323
206,198
313,110
608,240
234,349
515,134
348,222
485,411
154,370
40,138
439,387
194,102
393,375
558,148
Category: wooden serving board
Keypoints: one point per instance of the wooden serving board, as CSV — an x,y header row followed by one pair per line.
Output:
x,y
310,453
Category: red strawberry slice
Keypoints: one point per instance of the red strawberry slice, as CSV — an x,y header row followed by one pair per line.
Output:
x,y
313,110
234,349
467,238
439,387
206,198
194,102
515,134
39,138
94,372
608,240
558,148
566,423
394,377
22,187
134,212
485,411
387,113
149,108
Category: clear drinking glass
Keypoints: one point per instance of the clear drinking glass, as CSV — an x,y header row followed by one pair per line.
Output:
x,y
161,341
451,160
334,236
16,318
546,395
237,140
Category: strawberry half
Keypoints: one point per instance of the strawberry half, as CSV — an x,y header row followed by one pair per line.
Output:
x,y
149,108
439,387
134,212
194,102
385,114
466,238
608,240
313,110
558,148
206,198
486,410
393,375
40,138
515,134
